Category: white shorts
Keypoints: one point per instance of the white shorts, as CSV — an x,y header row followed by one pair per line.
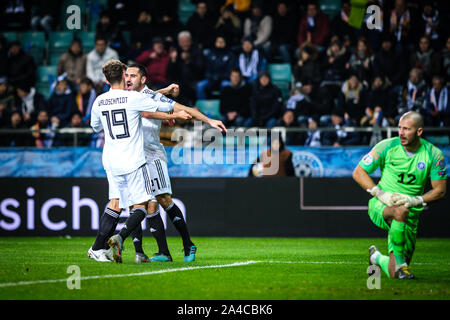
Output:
x,y
159,174
131,188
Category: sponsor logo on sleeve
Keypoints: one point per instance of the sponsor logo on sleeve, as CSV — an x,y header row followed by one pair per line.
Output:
x,y
367,160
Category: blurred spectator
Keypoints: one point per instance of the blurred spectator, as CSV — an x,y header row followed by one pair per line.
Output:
x,y
264,167
445,55
413,94
284,37
123,12
169,25
339,137
229,25
95,61
438,103
17,139
21,66
307,68
185,68
314,27
3,56
7,99
339,24
361,60
82,138
218,63
200,25
303,102
352,97
109,29
155,60
265,102
61,104
314,137
388,64
250,60
235,101
334,67
85,98
401,23
431,25
241,7
73,64
44,139
142,33
426,59
258,26
31,102
44,13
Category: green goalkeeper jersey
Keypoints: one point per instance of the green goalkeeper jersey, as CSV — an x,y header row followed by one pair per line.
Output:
x,y
403,173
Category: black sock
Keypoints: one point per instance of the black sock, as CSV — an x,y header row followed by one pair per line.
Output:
x,y
136,235
177,219
135,219
158,232
107,225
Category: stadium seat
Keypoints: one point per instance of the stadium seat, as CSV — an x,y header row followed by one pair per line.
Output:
x,y
53,58
59,41
44,90
87,39
185,10
10,36
210,108
33,43
46,74
330,7
281,74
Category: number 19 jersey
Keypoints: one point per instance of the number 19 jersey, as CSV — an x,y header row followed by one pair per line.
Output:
x,y
402,173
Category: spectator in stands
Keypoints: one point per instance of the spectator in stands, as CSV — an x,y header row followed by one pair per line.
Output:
x,y
314,137
18,139
73,64
200,25
185,68
110,30
266,167
235,101
251,61
339,137
388,64
438,103
334,67
431,25
44,139
445,55
304,103
15,15
361,60
31,102
44,13
339,24
241,7
283,39
3,56
218,63
314,27
413,94
307,67
142,34
95,61
82,138
352,97
229,25
169,25
265,102
426,59
21,66
7,99
61,104
259,26
156,60
401,25
85,98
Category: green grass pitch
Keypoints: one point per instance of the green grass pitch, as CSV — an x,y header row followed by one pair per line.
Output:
x,y
226,268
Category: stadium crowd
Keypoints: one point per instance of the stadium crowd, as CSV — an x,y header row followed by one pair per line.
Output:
x,y
342,76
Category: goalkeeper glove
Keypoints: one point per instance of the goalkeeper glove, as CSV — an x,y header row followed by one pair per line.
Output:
x,y
409,202
383,196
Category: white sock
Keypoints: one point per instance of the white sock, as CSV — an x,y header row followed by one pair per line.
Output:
x,y
373,258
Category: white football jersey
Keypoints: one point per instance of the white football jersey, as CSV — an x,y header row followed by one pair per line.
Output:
x,y
153,148
118,113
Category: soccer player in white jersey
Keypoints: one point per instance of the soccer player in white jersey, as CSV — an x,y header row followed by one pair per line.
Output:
x,y
118,113
136,78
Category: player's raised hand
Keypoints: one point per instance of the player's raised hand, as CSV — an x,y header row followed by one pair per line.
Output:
x,y
399,199
173,89
218,125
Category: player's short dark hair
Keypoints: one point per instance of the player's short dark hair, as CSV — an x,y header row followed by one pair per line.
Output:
x,y
141,68
113,71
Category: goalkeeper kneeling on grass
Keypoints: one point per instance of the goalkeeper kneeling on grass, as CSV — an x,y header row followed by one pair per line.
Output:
x,y
405,162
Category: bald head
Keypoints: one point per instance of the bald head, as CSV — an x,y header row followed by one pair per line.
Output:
x,y
416,118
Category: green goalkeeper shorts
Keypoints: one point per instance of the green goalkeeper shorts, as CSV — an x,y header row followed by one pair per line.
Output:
x,y
376,208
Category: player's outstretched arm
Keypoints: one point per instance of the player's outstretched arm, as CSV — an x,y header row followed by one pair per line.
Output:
x,y
181,115
200,116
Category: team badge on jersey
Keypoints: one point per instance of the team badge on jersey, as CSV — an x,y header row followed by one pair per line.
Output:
x,y
421,165
367,160
441,164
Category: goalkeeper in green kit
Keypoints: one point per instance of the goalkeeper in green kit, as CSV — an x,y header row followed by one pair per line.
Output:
x,y
405,162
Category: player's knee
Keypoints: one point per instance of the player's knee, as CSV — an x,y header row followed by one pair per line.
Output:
x,y
165,200
401,213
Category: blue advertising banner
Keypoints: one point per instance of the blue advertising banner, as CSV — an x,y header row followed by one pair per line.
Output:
x,y
83,162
